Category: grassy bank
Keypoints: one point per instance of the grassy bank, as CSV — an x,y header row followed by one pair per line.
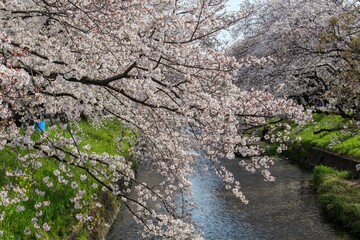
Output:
x,y
330,132
60,213
338,194
339,197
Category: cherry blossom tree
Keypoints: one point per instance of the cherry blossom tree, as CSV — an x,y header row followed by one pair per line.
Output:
x,y
154,65
304,50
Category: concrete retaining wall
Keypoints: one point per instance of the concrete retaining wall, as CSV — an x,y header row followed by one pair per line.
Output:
x,y
319,156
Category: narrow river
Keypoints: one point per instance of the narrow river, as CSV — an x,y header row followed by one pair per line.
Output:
x,y
284,209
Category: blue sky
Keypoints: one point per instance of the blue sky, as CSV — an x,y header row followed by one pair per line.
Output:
x,y
232,5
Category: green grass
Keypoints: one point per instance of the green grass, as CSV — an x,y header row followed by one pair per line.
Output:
x,y
339,197
60,213
343,138
337,194
104,139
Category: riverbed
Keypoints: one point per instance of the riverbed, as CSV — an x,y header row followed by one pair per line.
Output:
x,y
284,209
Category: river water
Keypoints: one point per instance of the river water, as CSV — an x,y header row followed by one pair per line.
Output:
x,y
284,209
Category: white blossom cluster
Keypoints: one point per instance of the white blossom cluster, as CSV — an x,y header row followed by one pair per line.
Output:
x,y
306,50
153,65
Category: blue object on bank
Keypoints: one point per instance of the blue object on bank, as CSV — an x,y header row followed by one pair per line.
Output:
x,y
40,126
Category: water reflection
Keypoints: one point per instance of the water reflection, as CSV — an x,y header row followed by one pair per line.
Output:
x,y
284,209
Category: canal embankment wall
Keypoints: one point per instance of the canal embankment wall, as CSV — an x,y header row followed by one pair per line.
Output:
x,y
312,157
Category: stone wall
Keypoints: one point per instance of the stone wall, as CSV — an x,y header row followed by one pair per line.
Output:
x,y
106,214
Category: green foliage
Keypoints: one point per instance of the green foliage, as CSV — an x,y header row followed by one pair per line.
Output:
x,y
60,213
339,197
